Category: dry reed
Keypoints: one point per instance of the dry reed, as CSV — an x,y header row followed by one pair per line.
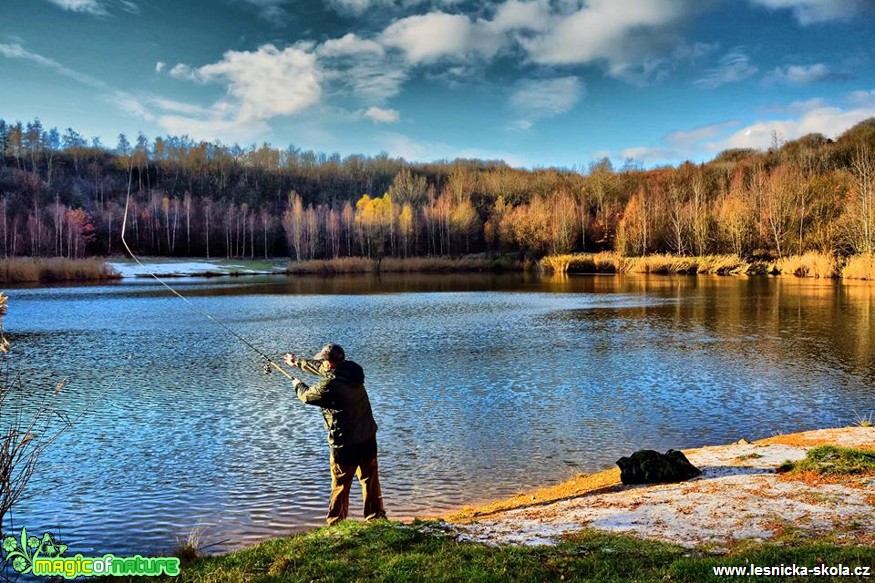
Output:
x,y
55,269
819,265
359,265
607,262
860,267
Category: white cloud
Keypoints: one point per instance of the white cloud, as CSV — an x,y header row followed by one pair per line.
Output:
x,y
355,7
399,145
815,11
87,6
185,72
270,10
159,66
829,121
361,66
801,118
359,7
16,51
623,35
535,99
209,130
261,85
862,98
429,37
129,7
651,155
350,45
803,74
685,140
267,82
521,125
96,7
132,105
380,115
516,15
734,67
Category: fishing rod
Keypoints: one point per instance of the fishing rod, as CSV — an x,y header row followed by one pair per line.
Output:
x,y
268,360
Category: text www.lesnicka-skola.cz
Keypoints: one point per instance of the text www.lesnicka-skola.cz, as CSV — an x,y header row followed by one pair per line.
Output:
x,y
793,570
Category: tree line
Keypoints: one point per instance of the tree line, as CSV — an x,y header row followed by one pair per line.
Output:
x,y
64,195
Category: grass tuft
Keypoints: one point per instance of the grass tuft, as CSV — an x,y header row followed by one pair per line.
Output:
x,y
190,548
833,460
864,420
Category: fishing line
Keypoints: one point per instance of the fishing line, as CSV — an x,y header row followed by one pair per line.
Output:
x,y
268,361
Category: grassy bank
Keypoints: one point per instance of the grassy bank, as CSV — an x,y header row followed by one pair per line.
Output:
x,y
819,265
388,551
358,265
434,551
55,269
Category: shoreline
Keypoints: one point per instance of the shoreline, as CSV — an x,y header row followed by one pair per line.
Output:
x,y
479,550
600,500
809,266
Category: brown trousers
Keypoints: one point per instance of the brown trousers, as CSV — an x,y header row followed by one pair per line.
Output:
x,y
341,483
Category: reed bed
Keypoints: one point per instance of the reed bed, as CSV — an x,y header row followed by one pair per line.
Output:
x,y
671,264
820,265
607,262
860,267
359,265
816,265
55,269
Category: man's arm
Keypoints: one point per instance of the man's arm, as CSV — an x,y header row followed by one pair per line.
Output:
x,y
311,366
315,395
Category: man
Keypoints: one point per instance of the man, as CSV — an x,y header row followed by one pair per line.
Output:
x,y
352,431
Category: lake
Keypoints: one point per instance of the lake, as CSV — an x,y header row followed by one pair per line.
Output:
x,y
482,385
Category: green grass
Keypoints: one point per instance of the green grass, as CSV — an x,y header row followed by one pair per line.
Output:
x,y
832,460
387,551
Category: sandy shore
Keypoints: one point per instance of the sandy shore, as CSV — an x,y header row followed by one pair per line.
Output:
x,y
739,496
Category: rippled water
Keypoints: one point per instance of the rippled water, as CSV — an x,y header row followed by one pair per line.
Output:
x,y
482,386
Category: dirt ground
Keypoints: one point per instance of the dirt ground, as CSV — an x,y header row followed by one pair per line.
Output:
x,y
739,496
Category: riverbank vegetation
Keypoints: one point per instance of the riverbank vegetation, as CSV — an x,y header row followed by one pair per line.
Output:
x,y
351,265
832,460
63,195
812,264
54,269
389,551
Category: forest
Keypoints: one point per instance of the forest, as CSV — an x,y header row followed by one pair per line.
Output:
x,y
63,195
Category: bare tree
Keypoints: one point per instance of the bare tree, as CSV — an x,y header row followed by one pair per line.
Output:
x,y
27,430
862,207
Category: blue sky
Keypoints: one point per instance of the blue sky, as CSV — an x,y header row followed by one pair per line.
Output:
x,y
536,83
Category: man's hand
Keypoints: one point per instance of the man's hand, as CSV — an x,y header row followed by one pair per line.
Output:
x,y
290,359
296,382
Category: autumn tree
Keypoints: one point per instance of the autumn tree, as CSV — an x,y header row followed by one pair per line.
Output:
x,y
859,220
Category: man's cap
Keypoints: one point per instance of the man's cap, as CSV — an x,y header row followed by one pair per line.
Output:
x,y
332,352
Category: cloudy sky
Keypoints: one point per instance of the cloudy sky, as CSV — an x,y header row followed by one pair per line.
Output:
x,y
534,82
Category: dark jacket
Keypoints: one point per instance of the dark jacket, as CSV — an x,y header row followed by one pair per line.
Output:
x,y
344,401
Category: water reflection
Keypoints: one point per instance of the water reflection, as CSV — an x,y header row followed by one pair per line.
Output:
x,y
482,385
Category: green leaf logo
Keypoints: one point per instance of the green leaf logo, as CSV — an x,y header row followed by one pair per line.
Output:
x,y
23,551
